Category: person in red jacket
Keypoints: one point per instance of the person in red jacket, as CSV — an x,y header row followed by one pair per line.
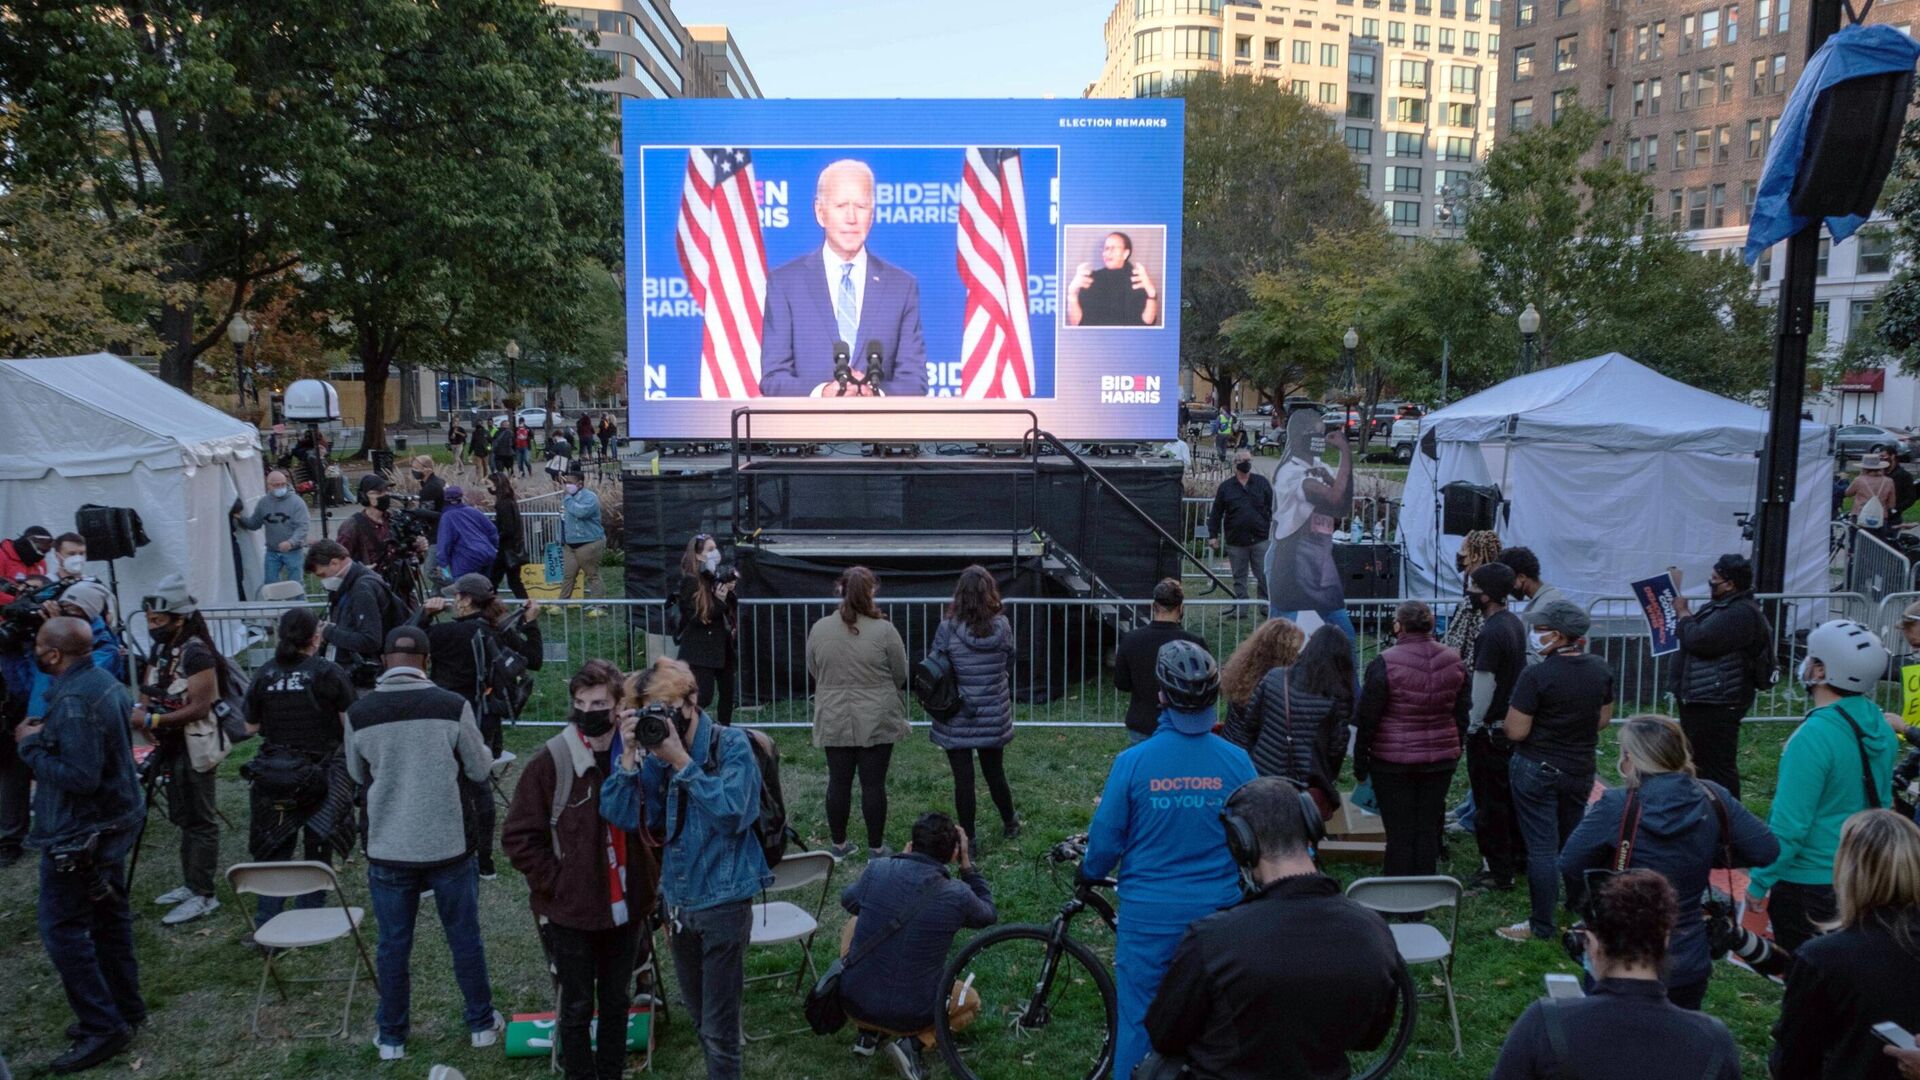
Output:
x,y
24,556
1413,722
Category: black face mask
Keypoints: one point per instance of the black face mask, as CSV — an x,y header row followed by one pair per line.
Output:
x,y
40,662
383,502
592,723
1243,467
418,475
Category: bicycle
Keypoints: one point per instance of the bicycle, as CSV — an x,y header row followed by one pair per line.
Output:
x,y
1026,994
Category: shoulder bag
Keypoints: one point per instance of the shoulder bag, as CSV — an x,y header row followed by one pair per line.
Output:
x,y
826,1012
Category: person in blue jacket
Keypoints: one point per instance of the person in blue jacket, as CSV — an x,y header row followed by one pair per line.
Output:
x,y
1160,817
699,790
469,540
87,601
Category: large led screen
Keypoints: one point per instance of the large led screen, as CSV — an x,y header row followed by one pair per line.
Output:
x,y
903,269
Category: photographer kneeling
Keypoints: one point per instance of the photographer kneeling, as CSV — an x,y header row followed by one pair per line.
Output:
x,y
1627,1029
87,810
699,788
1289,980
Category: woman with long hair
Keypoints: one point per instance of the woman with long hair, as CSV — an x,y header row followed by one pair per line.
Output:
x,y
1282,726
512,556
1325,669
1677,825
978,640
859,668
1863,970
1477,549
184,676
708,610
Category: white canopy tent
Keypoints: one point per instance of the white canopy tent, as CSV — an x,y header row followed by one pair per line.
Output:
x,y
1612,472
96,429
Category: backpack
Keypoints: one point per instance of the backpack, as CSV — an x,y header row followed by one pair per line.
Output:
x,y
504,683
231,709
1871,516
770,827
935,685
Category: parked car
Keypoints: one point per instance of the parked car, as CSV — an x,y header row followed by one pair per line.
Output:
x,y
1201,412
1855,440
535,418
1404,439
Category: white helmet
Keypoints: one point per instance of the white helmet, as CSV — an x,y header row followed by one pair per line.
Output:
x,y
1853,657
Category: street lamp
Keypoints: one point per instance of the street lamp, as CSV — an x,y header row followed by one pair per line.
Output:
x,y
512,353
239,331
1529,337
1348,343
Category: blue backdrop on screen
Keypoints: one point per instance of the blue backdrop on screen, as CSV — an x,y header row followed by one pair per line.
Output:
x,y
1020,254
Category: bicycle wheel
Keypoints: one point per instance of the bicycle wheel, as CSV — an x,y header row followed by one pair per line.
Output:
x,y
1045,1010
1380,1062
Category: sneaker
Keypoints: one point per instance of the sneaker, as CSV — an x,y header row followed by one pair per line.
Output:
x,y
389,1053
865,1043
178,896
484,1039
1011,831
841,851
1485,882
904,1053
93,1050
1519,933
881,852
488,871
190,909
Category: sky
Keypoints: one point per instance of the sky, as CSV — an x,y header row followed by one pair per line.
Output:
x,y
913,48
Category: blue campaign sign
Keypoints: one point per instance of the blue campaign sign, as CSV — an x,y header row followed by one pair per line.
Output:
x,y
1656,597
883,256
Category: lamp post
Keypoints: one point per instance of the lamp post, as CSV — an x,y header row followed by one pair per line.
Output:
x,y
1529,339
239,331
512,353
1348,344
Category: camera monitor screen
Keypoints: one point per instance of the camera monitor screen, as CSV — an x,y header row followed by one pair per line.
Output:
x,y
888,269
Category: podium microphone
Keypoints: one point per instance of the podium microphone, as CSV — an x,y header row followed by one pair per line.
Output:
x,y
876,364
842,366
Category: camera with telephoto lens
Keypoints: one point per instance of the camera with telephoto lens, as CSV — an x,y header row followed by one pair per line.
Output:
x,y
651,725
1906,781
80,857
21,620
1725,935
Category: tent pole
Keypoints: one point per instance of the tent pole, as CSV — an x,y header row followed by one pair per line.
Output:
x,y
1780,460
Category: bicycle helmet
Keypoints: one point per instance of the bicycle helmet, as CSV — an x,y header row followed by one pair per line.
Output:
x,y
1853,657
1188,675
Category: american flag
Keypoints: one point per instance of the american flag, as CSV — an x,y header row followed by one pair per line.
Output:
x,y
995,346
725,263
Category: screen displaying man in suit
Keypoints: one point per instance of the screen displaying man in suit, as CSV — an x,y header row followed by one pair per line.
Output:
x,y
842,293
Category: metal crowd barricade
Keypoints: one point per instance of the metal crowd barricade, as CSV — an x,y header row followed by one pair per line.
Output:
x,y
540,529
1875,568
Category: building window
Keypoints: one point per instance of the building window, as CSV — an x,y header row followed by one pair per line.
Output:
x,y
1301,88
1756,140
1196,43
1147,9
1330,56
1874,251
1717,206
1446,39
1763,266
1272,53
1685,98
1473,10
1522,114
1412,73
1151,84
1408,110
1404,215
1820,260
1303,52
1613,48
1686,34
1642,43
1564,8
1370,29
1764,8
1396,33
1196,7
1523,13
1449,8
1702,147
1243,47
1566,52
1653,153
1329,93
1456,148
1659,38
1697,208
1726,83
1470,41
1563,100
1633,155
1405,144
1778,68
1606,103
1146,47
1679,150
1403,178
1422,36
1653,97
1365,172
1360,68
1783,23
1360,106
1360,140
1463,79
1522,62
1722,144
1465,116
1455,182
1676,208
1858,312
1709,29
1639,98
1749,191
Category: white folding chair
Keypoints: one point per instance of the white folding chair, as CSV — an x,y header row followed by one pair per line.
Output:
x,y
283,590
300,928
778,922
1418,942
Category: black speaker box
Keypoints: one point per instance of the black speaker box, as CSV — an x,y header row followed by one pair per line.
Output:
x,y
1368,571
111,532
1466,507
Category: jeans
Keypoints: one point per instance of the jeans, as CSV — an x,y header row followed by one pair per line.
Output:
x,y
285,565
1413,803
1714,733
395,894
710,960
1495,827
1248,560
1548,803
715,686
870,762
266,907
584,559
16,796
1794,909
523,461
595,970
993,767
91,944
191,807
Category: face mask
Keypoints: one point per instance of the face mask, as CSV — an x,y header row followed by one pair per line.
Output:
x,y
73,564
418,475
711,560
1805,674
40,661
1243,467
592,723
383,502
332,584
1537,642
572,489
278,493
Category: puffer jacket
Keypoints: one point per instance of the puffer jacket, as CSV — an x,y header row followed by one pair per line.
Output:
x,y
1289,731
1718,646
1412,705
981,668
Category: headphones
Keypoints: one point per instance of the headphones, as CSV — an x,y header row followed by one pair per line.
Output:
x,y
1244,846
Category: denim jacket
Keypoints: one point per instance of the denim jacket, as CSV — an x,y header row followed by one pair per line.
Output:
x,y
82,762
580,518
711,857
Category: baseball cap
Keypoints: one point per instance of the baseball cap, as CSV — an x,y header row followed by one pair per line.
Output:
x,y
1562,617
408,640
455,493
473,586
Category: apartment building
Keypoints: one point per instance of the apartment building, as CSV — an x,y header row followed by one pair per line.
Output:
x,y
1410,85
655,56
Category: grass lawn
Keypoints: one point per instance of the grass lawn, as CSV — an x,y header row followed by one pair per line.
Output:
x,y
199,980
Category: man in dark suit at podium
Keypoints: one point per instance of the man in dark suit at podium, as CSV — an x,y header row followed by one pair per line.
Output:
x,y
842,293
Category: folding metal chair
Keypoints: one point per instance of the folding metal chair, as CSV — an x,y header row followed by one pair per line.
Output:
x,y
778,922
1418,942
300,928
282,590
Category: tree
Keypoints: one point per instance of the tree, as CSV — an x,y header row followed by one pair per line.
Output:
x,y
480,183
1894,326
1264,173
1290,332
73,282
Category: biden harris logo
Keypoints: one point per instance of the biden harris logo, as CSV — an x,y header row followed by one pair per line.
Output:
x,y
1129,389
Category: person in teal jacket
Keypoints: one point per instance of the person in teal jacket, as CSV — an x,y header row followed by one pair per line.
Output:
x,y
1839,762
1160,816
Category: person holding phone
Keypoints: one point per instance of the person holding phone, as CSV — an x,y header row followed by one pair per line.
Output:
x,y
1120,293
